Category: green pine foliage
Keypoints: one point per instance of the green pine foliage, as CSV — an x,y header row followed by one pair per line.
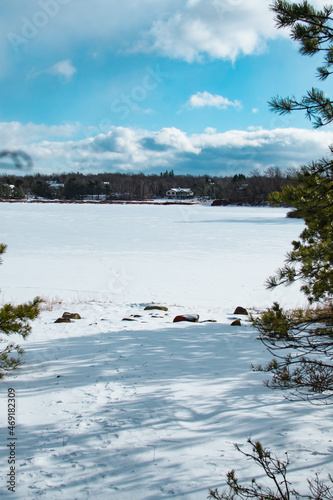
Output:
x,y
14,320
311,260
301,340
2,250
313,30
279,488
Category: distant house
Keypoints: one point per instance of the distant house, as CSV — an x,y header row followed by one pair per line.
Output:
x,y
180,193
55,184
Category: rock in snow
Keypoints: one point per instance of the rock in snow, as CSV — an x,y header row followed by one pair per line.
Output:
x,y
153,306
193,318
71,315
241,310
63,320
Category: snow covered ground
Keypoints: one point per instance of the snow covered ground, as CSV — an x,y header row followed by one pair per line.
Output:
x,y
147,409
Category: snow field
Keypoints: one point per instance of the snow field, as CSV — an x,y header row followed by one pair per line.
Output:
x,y
190,255
147,409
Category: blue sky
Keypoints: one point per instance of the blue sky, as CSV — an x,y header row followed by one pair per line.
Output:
x,y
148,86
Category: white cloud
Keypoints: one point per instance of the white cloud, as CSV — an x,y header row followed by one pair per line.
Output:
x,y
125,149
255,110
222,29
15,135
64,69
183,29
139,109
176,139
188,30
203,99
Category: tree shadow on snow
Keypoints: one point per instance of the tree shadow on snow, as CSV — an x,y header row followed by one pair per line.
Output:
x,y
145,411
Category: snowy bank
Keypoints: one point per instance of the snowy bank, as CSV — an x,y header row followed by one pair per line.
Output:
x,y
147,409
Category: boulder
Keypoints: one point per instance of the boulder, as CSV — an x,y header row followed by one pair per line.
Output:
x,y
128,319
219,203
241,310
71,315
237,322
193,318
153,306
63,320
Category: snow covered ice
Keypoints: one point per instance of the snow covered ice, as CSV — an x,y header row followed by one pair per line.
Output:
x,y
147,409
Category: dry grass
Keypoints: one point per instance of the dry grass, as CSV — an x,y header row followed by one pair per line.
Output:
x,y
49,304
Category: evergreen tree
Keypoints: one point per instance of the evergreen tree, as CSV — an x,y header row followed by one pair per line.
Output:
x,y
14,319
302,340
313,29
18,193
306,335
311,260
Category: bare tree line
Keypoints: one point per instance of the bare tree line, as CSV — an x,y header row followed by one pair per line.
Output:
x,y
238,189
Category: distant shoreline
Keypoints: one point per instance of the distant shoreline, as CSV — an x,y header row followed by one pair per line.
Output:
x,y
133,202
109,202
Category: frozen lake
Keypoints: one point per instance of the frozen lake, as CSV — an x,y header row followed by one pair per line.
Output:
x,y
197,254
